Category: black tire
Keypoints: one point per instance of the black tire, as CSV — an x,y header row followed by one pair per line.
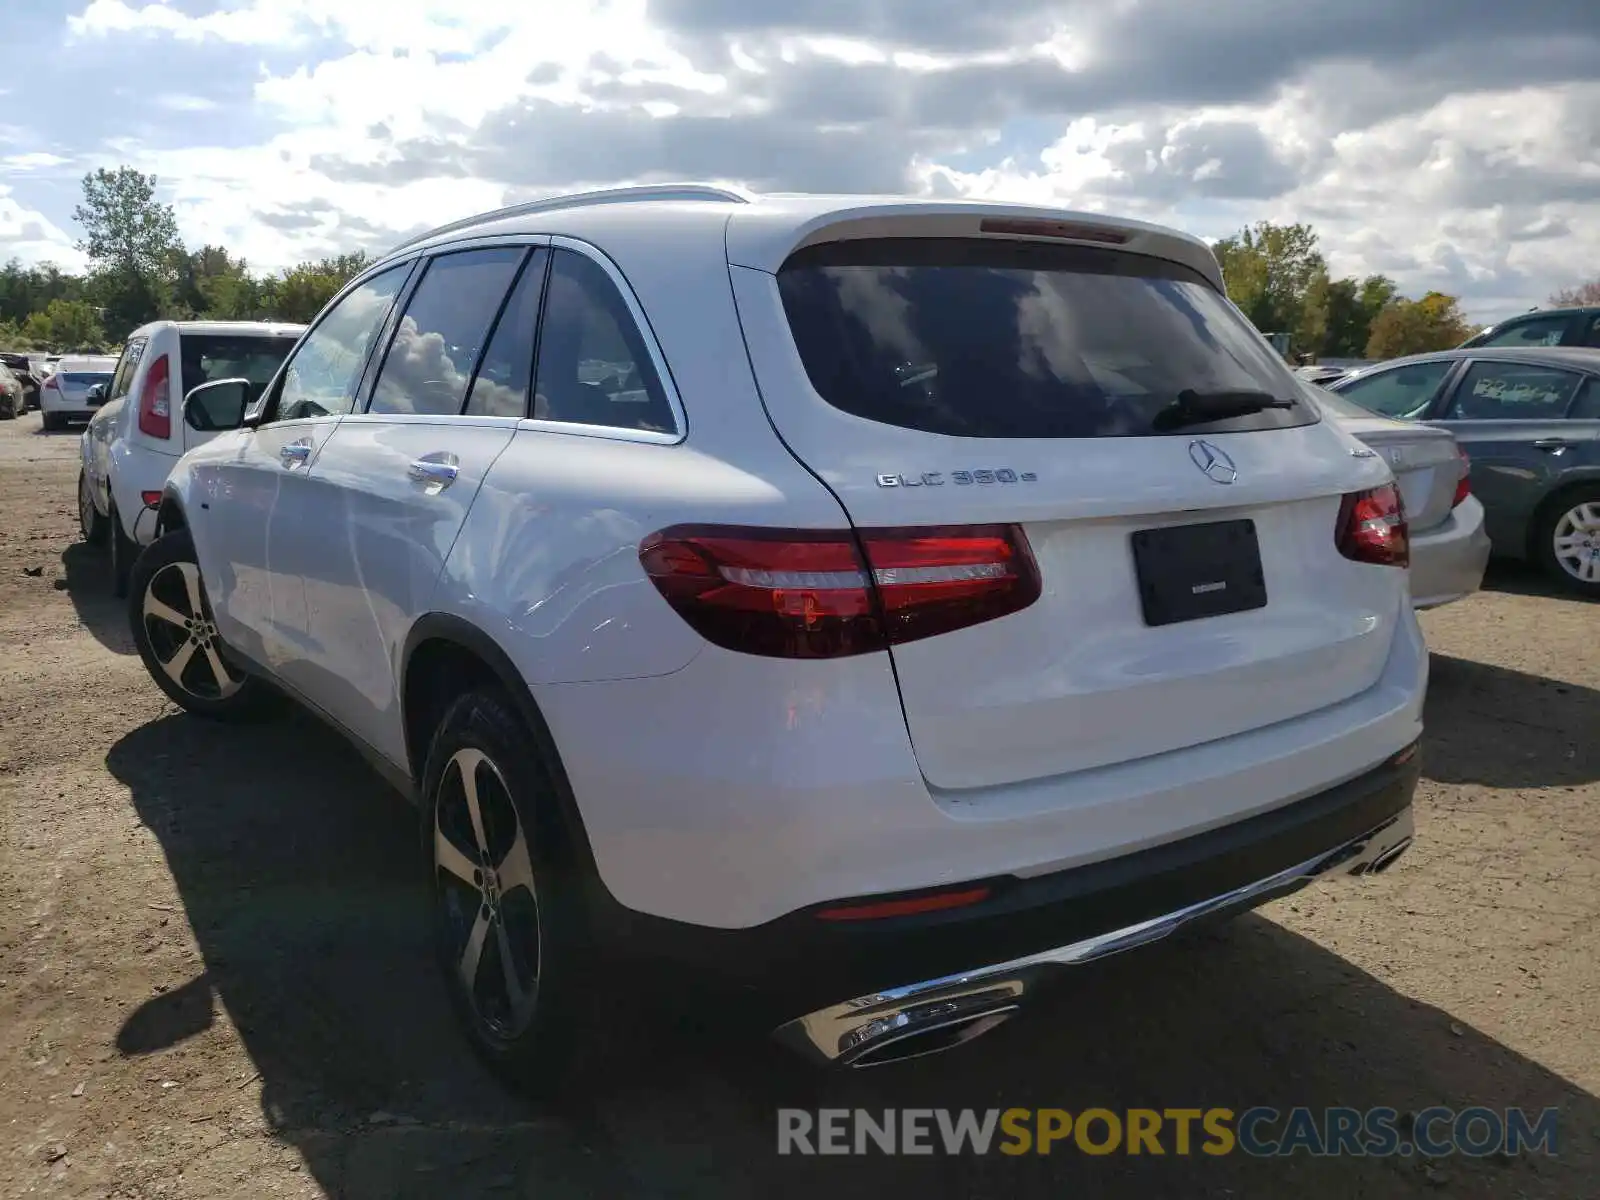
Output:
x,y
11,409
124,553
537,1048
53,422
168,575
1557,515
93,526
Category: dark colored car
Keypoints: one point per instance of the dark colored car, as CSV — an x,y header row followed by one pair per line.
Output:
x,y
19,366
1530,421
1549,327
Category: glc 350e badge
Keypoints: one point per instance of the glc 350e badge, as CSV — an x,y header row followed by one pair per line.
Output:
x,y
959,478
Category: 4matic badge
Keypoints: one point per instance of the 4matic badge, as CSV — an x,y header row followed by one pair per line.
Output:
x,y
959,478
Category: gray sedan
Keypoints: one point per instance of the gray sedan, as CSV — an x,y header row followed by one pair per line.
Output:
x,y
1530,421
1449,548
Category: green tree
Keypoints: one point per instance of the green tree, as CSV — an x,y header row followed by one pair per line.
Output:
x,y
1434,322
1271,272
303,291
131,239
65,325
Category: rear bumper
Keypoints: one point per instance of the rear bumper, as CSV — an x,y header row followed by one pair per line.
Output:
x,y
938,1013
839,988
1447,562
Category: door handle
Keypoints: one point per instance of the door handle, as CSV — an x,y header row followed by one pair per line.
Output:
x,y
1551,443
295,454
436,473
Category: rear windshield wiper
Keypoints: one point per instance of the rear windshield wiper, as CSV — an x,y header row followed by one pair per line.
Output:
x,y
1195,407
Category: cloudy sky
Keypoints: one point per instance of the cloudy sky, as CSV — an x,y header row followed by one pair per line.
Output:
x,y
1452,144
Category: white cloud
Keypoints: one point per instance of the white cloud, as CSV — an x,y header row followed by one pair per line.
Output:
x,y
1368,119
29,236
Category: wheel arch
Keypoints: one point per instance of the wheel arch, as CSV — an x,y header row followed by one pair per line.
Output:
x,y
442,656
170,514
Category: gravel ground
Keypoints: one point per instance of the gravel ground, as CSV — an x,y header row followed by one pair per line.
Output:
x,y
212,981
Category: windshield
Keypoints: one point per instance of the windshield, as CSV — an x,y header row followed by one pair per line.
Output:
x,y
980,338
1341,406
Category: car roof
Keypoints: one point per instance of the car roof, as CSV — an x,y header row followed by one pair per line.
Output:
x,y
92,362
236,328
1566,310
1579,358
762,230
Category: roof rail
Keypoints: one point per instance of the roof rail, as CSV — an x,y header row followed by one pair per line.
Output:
x,y
614,195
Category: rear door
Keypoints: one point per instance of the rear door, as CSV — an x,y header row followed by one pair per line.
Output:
x,y
961,381
395,482
1523,425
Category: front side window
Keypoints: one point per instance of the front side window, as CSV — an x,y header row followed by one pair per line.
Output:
x,y
593,365
322,377
1494,391
1001,339
1540,331
1399,391
442,331
1592,338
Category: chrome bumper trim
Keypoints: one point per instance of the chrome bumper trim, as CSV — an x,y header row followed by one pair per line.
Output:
x,y
865,1030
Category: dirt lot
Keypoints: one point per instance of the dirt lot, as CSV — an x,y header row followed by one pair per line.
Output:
x,y
212,980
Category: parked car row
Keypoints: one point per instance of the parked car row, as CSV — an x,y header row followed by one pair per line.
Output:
x,y
28,370
1530,421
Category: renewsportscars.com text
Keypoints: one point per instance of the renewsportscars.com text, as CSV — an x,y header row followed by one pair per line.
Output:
x,y
1259,1131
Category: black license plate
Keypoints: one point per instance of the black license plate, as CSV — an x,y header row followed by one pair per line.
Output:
x,y
1186,572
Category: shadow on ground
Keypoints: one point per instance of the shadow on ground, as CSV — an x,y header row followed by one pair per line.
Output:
x,y
1501,728
299,873
1519,578
87,583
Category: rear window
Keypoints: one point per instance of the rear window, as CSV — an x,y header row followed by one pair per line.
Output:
x,y
211,356
84,378
999,339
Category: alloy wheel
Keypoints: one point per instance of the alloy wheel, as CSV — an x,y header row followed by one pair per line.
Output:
x,y
1576,542
487,899
182,634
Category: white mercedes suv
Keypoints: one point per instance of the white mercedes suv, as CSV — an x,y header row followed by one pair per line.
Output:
x,y
871,605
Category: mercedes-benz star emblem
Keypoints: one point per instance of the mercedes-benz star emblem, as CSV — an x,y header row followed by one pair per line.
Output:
x,y
1213,462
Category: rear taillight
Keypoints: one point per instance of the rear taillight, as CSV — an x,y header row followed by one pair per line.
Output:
x,y
1464,485
1372,527
800,593
50,382
155,401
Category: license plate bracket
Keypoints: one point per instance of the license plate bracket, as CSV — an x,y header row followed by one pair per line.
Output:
x,y
1188,572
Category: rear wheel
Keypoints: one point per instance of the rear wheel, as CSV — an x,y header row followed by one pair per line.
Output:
x,y
1567,540
54,422
90,522
508,918
176,636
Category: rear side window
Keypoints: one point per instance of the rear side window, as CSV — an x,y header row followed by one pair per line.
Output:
x,y
1492,391
122,377
443,330
1399,391
321,379
593,365
1021,340
208,357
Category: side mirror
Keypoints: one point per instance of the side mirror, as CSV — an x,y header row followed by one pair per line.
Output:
x,y
217,406
97,393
